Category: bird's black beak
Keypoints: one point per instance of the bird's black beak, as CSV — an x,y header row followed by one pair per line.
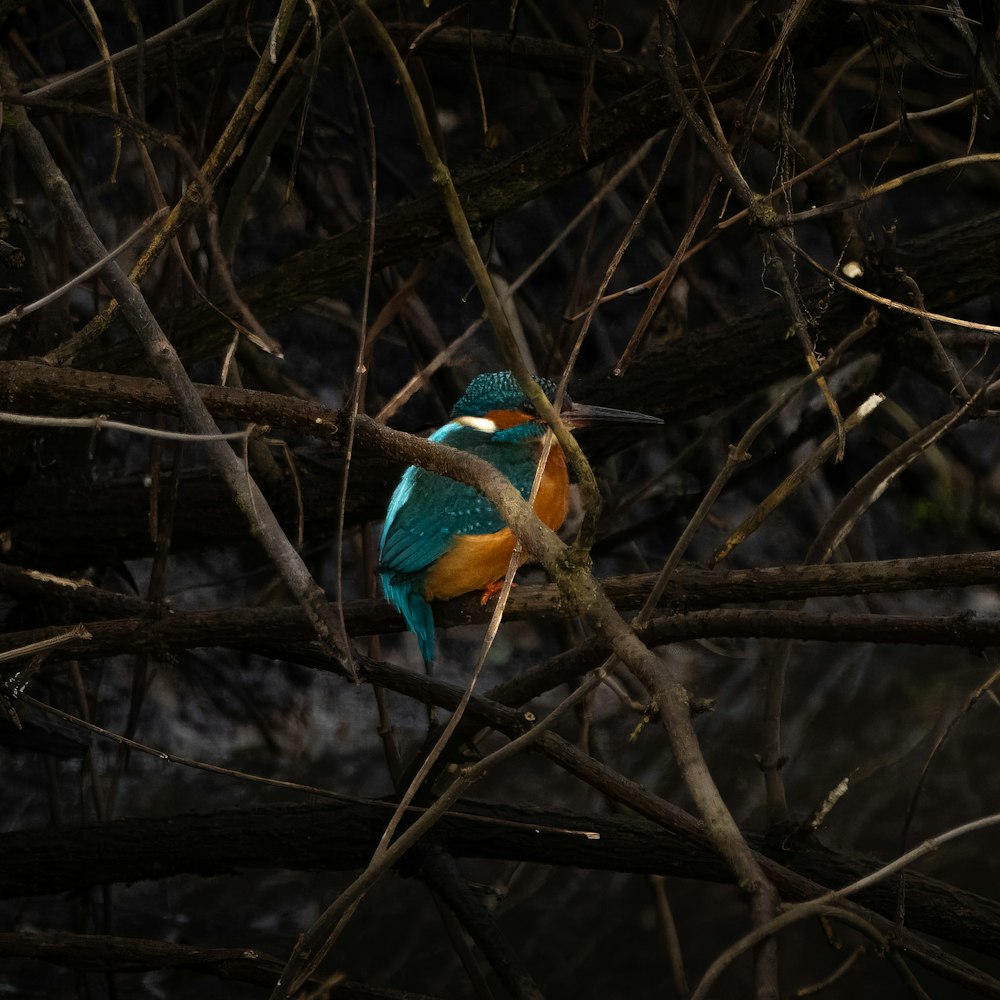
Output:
x,y
582,415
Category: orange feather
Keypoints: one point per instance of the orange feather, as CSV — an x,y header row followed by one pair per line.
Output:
x,y
475,561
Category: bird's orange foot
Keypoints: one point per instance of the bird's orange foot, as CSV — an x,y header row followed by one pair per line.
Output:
x,y
491,590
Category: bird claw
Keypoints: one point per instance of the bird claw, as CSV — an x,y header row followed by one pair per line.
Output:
x,y
491,590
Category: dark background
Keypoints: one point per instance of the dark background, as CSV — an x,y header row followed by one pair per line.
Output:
x,y
536,107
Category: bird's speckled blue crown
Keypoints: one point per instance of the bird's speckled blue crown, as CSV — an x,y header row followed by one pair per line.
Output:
x,y
498,391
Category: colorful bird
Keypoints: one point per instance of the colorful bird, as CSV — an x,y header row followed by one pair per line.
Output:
x,y
442,538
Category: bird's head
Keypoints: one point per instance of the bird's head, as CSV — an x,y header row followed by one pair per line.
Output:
x,y
494,403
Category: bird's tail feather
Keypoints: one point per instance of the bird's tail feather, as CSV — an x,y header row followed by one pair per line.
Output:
x,y
405,595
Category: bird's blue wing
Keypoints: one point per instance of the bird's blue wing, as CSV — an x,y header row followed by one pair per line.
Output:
x,y
420,527
427,511
408,547
410,541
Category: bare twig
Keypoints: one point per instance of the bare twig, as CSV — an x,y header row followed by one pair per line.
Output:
x,y
250,106
103,424
61,638
803,911
161,352
20,311
791,483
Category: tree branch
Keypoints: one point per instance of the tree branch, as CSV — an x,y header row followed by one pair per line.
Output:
x,y
341,836
263,524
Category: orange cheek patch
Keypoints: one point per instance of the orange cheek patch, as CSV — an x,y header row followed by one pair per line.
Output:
x,y
507,418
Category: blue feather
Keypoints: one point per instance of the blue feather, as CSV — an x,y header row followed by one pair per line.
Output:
x,y
405,594
497,391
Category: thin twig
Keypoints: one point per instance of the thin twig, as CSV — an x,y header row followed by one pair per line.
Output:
x,y
102,424
20,311
803,911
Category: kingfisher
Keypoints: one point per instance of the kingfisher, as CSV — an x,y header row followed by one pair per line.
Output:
x,y
442,538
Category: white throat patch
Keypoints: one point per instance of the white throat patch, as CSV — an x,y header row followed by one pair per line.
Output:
x,y
478,423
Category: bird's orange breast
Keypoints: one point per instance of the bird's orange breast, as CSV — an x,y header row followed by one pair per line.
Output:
x,y
475,561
